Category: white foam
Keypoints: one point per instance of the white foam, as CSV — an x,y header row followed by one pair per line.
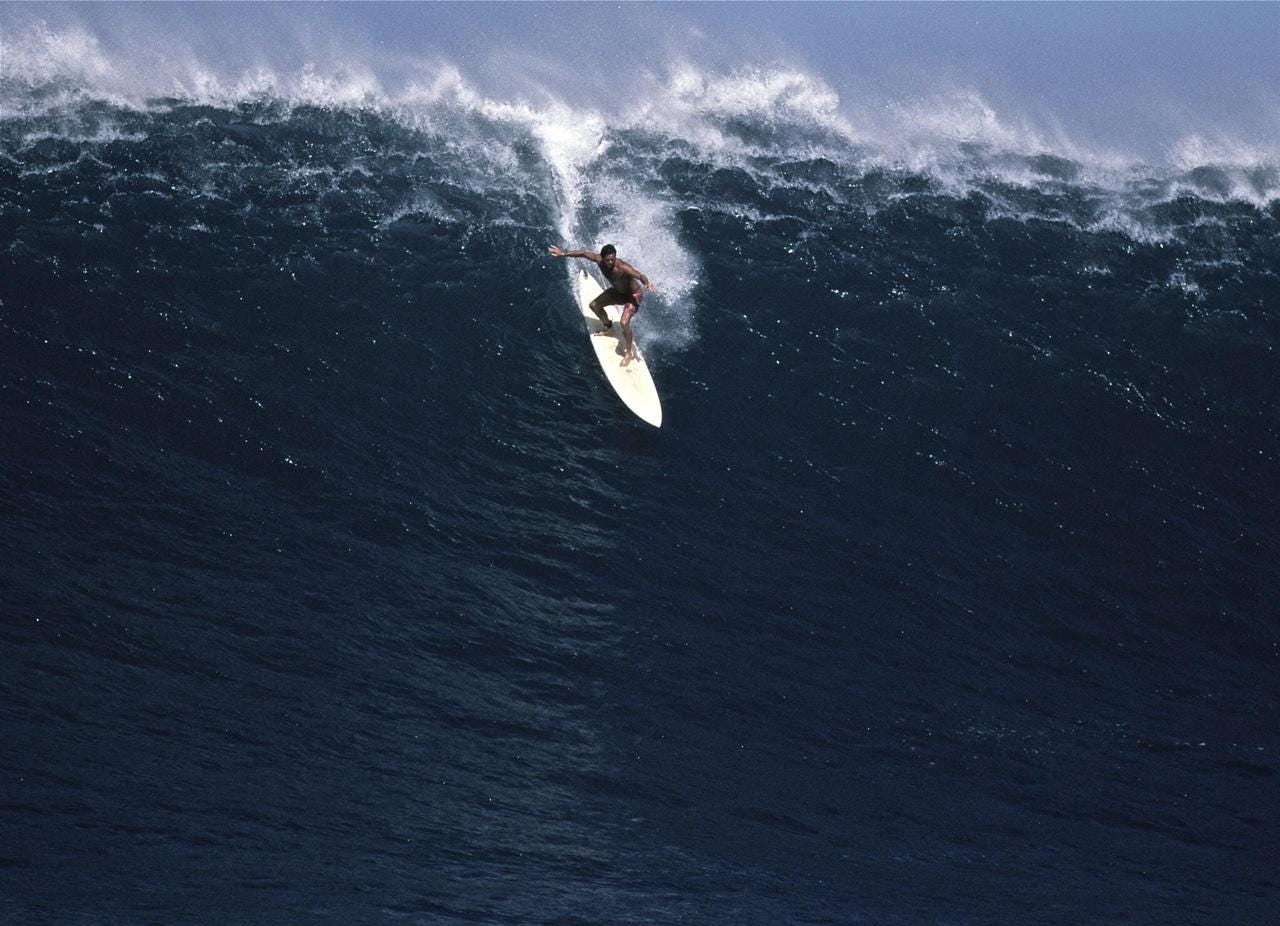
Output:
x,y
42,55
422,203
778,96
753,119
1130,225
1196,150
101,134
962,117
955,132
1180,281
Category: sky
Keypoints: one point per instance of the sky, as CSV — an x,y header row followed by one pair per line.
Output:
x,y
1132,76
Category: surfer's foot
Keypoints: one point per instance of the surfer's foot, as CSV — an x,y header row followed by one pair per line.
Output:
x,y
606,333
627,358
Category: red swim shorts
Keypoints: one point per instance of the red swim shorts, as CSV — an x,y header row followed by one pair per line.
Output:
x,y
626,300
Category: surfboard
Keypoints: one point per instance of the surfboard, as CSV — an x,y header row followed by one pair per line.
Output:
x,y
633,383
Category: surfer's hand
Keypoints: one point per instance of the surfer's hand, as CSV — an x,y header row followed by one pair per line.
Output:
x,y
555,251
650,287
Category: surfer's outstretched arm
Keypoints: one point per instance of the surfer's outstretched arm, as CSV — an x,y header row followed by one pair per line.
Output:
x,y
586,255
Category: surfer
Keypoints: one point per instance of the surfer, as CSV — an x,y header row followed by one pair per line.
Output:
x,y
625,291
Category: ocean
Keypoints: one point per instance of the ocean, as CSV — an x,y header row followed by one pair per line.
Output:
x,y
338,586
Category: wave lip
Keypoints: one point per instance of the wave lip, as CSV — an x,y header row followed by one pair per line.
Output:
x,y
763,142
736,113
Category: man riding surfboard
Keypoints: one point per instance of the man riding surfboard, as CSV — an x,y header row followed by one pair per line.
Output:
x,y
624,291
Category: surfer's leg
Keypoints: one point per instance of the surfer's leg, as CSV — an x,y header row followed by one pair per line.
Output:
x,y
608,297
598,308
628,339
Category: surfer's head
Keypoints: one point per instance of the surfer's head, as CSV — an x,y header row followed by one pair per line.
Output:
x,y
608,254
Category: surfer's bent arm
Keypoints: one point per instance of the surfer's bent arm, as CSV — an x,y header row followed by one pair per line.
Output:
x,y
637,274
587,255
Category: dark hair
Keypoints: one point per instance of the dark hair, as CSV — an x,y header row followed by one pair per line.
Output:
x,y
607,250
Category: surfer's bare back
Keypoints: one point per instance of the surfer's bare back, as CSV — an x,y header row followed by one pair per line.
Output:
x,y
624,291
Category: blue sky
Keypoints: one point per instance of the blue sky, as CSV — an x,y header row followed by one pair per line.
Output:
x,y
1137,75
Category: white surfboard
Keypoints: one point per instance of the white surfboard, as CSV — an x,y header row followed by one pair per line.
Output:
x,y
633,383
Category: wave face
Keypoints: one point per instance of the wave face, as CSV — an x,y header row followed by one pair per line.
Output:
x,y
339,587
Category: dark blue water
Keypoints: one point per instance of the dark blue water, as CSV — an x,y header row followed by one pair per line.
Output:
x,y
338,587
